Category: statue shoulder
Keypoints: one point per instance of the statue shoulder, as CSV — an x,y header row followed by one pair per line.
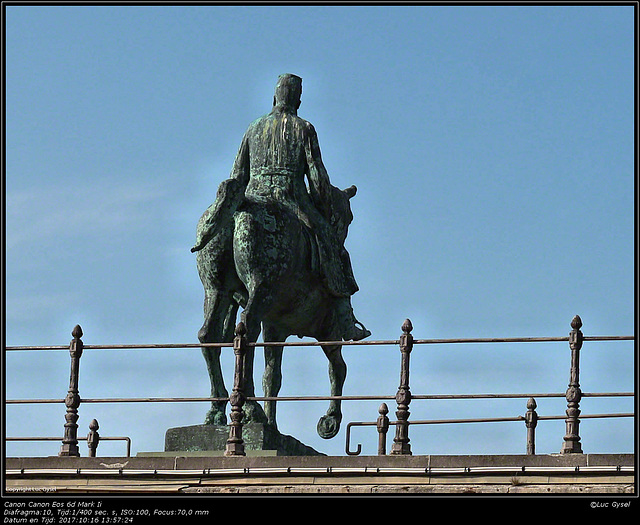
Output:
x,y
307,125
309,129
257,123
254,129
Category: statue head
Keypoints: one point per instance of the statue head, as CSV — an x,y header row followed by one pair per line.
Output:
x,y
288,92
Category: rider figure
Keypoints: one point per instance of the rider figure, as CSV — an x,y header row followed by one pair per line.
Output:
x,y
277,151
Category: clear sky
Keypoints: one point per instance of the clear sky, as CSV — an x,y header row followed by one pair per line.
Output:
x,y
493,151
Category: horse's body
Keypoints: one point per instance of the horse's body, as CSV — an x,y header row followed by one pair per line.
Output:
x,y
272,277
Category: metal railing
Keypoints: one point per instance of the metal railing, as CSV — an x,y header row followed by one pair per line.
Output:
x,y
403,397
530,419
93,445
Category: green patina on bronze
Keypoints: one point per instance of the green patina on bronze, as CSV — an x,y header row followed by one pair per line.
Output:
x,y
256,437
273,244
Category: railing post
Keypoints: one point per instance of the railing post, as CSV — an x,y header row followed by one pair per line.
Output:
x,y
571,443
235,444
93,438
72,401
531,420
383,425
401,444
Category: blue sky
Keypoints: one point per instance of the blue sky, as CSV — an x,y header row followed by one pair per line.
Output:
x,y
493,151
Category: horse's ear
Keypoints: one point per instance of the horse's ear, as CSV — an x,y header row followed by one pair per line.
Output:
x,y
351,191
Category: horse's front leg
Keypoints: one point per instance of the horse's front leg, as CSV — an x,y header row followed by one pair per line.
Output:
x,y
272,377
329,424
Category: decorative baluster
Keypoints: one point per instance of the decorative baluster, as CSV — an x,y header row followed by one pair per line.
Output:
x,y
531,420
383,425
403,397
235,444
571,443
93,438
72,401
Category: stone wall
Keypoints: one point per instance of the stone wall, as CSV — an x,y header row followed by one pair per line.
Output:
x,y
196,473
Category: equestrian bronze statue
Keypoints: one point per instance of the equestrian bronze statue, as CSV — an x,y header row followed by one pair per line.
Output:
x,y
272,243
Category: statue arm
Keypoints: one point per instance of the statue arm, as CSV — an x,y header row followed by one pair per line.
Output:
x,y
319,184
240,170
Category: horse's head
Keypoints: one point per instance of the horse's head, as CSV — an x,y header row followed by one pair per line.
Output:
x,y
350,191
341,216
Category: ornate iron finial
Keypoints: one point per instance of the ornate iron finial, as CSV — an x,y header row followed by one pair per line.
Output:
x,y
241,329
531,421
406,340
93,438
76,332
576,323
382,425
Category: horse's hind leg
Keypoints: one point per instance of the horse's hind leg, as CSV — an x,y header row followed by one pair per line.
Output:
x,y
218,310
251,316
329,424
272,377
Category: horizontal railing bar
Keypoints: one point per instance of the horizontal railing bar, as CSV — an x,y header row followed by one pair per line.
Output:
x,y
201,345
313,398
523,339
485,419
605,394
28,401
504,419
491,340
53,438
609,338
325,343
123,346
34,348
462,420
507,396
590,416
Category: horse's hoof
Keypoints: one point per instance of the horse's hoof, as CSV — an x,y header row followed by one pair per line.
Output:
x,y
215,417
328,426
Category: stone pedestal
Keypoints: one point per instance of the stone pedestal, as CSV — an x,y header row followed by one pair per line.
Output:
x,y
256,437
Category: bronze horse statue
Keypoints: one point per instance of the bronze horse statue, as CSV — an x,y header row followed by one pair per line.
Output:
x,y
264,264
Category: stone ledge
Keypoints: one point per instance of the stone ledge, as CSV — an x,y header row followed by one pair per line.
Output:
x,y
127,485
569,474
177,461
465,490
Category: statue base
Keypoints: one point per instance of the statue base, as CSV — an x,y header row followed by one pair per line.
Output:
x,y
213,438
